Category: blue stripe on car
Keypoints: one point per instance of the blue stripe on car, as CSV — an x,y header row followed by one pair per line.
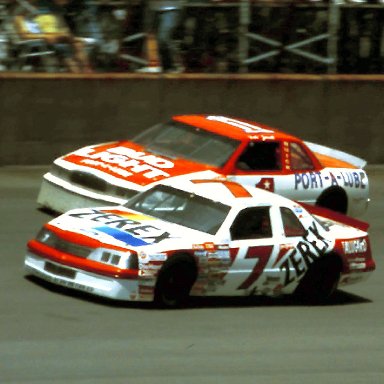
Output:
x,y
127,238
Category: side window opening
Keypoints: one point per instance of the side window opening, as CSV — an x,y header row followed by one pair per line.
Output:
x,y
299,158
252,223
260,156
291,223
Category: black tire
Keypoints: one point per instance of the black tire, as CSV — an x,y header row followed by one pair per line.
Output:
x,y
175,281
334,199
320,281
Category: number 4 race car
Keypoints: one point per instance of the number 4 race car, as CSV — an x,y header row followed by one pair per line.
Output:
x,y
242,151
202,237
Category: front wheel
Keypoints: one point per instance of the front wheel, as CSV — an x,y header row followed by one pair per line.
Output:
x,y
175,282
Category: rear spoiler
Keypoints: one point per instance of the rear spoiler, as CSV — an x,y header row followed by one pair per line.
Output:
x,y
336,216
337,154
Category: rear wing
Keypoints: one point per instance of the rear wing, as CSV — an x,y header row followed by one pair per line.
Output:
x,y
336,154
336,216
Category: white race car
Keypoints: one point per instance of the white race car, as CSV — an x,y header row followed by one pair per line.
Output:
x,y
243,151
201,237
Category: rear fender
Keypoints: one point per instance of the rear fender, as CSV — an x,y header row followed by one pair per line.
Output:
x,y
337,154
336,216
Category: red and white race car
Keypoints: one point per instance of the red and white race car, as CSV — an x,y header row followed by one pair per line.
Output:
x,y
242,151
202,237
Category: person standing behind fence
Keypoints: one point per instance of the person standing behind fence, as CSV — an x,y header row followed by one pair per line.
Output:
x,y
36,23
63,9
166,16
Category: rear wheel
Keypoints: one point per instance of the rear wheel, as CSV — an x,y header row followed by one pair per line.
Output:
x,y
175,282
320,282
334,199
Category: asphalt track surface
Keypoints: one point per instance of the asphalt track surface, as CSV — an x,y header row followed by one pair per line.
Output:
x,y
50,335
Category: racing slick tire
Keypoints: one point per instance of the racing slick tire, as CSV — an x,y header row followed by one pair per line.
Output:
x,y
175,281
334,199
320,282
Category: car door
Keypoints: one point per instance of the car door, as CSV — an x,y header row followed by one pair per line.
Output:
x,y
282,167
252,245
271,250
299,246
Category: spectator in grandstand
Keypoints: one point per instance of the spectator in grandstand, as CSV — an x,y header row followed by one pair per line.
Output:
x,y
165,16
117,21
39,23
41,30
81,17
3,39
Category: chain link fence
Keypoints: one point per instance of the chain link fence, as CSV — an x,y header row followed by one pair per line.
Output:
x,y
335,36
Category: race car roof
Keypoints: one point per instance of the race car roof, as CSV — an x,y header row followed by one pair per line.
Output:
x,y
235,128
234,194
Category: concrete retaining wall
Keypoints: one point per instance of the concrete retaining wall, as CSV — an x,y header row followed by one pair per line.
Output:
x,y
44,116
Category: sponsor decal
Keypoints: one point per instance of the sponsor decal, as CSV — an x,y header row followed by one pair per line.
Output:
x,y
262,255
152,267
147,273
107,167
298,211
158,257
127,228
123,236
65,283
213,253
286,155
308,180
219,259
267,137
314,180
209,246
214,260
296,261
354,246
200,254
126,161
266,183
146,291
357,265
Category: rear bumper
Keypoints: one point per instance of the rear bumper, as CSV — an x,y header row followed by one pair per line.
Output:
x,y
358,271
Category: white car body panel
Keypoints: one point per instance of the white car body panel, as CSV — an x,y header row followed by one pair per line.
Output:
x,y
267,266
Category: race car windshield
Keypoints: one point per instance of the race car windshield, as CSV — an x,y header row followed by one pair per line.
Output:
x,y
180,207
177,140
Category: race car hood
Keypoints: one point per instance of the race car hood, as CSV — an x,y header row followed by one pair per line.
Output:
x,y
118,226
130,162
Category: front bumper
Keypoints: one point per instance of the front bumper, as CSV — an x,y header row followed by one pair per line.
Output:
x,y
80,280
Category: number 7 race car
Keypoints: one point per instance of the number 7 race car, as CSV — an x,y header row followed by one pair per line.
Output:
x,y
242,151
203,237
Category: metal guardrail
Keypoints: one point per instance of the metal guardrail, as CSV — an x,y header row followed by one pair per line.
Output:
x,y
296,48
